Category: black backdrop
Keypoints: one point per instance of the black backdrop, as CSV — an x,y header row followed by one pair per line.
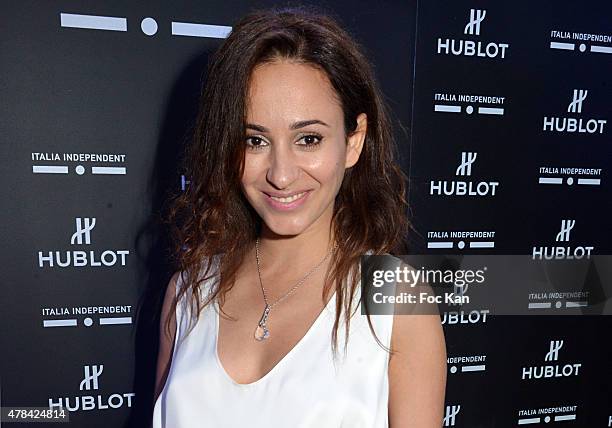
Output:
x,y
93,120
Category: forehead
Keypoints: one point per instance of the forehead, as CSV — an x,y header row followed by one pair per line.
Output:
x,y
283,92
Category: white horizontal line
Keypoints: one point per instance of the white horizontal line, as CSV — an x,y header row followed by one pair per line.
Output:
x,y
550,180
117,320
200,30
447,109
490,110
108,170
559,45
48,169
528,421
601,49
565,418
592,181
59,323
539,305
483,244
477,368
93,22
576,304
439,245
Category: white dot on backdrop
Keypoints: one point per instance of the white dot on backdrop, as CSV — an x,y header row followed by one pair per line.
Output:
x,y
148,26
88,322
469,109
582,47
80,169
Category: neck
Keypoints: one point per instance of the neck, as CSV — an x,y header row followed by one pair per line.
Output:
x,y
300,252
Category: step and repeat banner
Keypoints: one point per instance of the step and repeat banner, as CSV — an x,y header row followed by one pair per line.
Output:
x,y
501,112
511,154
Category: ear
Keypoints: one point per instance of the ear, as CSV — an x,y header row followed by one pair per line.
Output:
x,y
355,141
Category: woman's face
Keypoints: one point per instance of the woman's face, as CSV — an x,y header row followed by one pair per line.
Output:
x,y
296,147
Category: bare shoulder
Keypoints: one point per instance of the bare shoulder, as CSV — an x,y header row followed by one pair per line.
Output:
x,y
168,303
417,369
166,334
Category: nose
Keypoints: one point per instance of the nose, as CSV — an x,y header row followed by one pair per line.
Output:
x,y
283,168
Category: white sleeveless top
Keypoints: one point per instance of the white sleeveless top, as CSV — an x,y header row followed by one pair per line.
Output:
x,y
306,389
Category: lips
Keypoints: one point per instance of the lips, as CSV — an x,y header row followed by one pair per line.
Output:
x,y
285,195
287,203
289,198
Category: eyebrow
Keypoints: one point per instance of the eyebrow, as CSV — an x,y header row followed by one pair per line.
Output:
x,y
293,126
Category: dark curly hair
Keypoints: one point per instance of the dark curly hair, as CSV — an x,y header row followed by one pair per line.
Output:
x,y
212,216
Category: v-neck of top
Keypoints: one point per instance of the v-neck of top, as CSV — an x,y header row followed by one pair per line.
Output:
x,y
283,360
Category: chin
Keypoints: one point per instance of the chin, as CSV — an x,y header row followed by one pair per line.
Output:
x,y
284,226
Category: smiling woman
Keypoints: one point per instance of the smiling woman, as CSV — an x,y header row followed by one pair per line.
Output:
x,y
293,178
289,164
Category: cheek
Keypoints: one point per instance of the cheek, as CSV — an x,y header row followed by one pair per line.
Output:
x,y
338,161
328,167
251,170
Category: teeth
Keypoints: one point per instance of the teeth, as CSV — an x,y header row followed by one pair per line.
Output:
x,y
289,199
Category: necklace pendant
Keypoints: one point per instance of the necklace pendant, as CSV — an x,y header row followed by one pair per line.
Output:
x,y
262,332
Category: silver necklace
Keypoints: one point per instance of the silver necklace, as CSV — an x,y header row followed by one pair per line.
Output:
x,y
262,331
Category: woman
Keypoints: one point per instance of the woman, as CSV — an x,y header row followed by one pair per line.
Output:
x,y
292,180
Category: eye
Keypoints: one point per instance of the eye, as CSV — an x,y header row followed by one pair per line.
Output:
x,y
256,145
311,140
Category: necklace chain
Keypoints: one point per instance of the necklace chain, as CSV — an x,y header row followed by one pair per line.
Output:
x,y
295,287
